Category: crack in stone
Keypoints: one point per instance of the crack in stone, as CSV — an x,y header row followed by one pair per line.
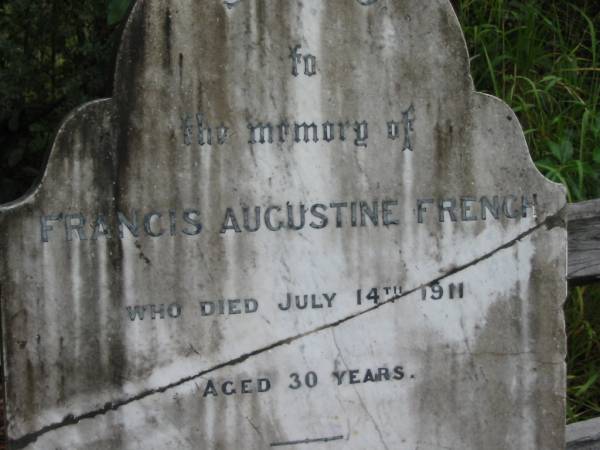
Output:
x,y
256,429
22,442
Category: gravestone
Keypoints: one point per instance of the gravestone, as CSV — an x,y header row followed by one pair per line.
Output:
x,y
294,225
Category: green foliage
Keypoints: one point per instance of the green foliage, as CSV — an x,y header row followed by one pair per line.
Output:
x,y
543,59
117,9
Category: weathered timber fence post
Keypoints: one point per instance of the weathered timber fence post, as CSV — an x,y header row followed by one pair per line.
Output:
x,y
583,225
584,242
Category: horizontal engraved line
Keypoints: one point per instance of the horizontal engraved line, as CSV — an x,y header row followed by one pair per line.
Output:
x,y
307,441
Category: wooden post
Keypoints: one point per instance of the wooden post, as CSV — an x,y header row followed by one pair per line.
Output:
x,y
583,224
584,435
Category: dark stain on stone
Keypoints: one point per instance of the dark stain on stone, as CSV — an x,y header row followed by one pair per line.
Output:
x,y
129,102
117,337
14,393
69,420
141,254
513,329
60,363
127,91
168,41
216,338
452,385
443,137
30,406
263,31
180,71
443,146
557,221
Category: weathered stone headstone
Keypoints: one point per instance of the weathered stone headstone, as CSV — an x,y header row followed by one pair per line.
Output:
x,y
294,225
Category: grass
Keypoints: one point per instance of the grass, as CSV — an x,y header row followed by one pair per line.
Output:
x,y
543,58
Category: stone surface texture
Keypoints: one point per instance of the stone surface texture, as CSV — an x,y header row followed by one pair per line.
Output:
x,y
485,371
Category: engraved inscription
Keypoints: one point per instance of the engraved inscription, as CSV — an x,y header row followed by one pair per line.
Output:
x,y
294,217
310,301
228,307
454,291
310,62
154,312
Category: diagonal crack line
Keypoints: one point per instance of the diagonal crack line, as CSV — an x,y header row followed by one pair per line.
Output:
x,y
69,420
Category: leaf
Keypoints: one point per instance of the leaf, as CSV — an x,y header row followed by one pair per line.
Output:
x,y
117,9
589,383
596,155
563,151
555,150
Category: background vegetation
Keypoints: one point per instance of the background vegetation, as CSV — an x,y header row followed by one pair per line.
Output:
x,y
541,56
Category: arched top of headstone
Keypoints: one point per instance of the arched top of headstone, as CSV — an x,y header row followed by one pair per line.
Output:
x,y
405,39
220,58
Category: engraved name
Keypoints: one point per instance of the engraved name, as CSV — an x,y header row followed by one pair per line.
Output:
x,y
295,217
